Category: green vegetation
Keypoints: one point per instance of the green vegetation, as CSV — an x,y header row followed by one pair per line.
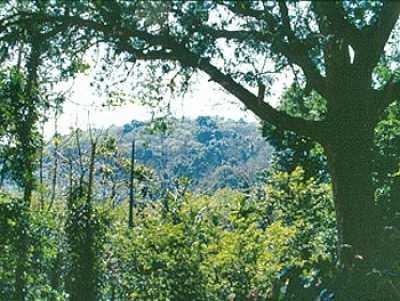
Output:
x,y
211,153
194,248
132,216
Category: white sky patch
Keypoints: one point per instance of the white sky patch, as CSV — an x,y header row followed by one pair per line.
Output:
x,y
351,54
206,98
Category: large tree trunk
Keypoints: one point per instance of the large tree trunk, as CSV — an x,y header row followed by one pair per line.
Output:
x,y
350,158
350,166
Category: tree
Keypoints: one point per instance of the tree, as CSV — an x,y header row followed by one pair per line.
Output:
x,y
20,110
292,150
332,47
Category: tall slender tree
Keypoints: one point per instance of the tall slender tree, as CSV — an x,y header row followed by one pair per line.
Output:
x,y
26,138
132,185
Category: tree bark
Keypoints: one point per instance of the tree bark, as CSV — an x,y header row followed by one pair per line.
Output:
x,y
131,186
55,162
351,171
350,156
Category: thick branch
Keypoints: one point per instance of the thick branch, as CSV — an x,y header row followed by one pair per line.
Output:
x,y
286,21
333,17
294,51
260,108
389,94
177,51
379,33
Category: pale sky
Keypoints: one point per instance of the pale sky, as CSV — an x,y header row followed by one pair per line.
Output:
x,y
206,98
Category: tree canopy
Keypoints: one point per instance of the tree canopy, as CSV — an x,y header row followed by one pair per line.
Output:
x,y
343,58
327,44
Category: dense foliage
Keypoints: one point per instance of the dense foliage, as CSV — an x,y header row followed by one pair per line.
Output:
x,y
228,246
335,135
274,238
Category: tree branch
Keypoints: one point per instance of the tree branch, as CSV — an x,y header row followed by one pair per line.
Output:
x,y
260,108
332,14
378,32
176,51
294,49
387,95
243,9
286,20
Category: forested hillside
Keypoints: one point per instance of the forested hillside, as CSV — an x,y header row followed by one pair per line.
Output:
x,y
208,153
211,153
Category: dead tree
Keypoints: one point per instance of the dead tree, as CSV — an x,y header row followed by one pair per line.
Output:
x,y
132,186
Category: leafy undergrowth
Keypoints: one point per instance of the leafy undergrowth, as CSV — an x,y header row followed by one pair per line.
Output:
x,y
228,246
